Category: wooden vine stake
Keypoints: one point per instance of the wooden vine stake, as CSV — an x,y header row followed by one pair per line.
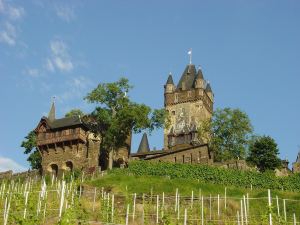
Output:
x,y
270,204
284,210
133,212
202,214
157,208
62,195
127,214
185,217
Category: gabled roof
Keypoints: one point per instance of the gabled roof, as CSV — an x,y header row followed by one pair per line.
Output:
x,y
65,122
144,145
62,123
188,77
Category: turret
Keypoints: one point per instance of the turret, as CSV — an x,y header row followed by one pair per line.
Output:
x,y
209,92
169,87
199,81
144,145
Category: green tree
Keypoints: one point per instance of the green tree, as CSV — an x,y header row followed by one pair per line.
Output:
x,y
231,130
116,116
263,153
34,157
75,112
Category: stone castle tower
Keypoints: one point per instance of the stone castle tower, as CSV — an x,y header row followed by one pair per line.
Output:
x,y
188,104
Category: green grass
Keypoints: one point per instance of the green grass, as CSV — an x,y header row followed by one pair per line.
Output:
x,y
119,182
125,184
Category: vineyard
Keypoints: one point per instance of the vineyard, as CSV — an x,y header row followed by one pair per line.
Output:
x,y
122,197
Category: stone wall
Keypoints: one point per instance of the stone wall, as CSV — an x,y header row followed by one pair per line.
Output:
x,y
191,155
75,155
193,107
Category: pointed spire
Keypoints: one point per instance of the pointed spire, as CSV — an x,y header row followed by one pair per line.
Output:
x,y
144,145
51,115
170,79
199,74
208,88
187,78
298,157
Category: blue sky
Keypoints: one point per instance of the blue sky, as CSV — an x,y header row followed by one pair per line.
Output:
x,y
248,50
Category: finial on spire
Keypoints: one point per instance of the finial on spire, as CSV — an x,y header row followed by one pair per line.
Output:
x,y
190,53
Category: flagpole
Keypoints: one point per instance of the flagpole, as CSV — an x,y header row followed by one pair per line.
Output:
x,y
190,54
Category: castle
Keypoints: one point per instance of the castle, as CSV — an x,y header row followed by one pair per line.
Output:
x,y
188,104
66,144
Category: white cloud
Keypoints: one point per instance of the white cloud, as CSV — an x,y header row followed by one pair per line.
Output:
x,y
65,12
10,13
9,164
60,58
8,34
15,13
77,87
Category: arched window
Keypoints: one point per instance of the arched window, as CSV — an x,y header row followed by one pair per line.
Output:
x,y
69,166
53,168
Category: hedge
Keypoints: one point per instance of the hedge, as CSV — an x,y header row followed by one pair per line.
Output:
x,y
216,175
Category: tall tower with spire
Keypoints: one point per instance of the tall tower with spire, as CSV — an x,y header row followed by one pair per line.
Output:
x,y
188,103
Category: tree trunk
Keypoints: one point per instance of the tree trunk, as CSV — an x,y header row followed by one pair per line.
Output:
x,y
110,159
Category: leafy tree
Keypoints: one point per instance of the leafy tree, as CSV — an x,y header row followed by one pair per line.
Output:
x,y
75,112
263,153
34,157
231,130
116,116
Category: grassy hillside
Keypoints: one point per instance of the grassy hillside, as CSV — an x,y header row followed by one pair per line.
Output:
x,y
128,195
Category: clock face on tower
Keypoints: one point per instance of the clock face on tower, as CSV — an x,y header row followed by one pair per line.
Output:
x,y
181,120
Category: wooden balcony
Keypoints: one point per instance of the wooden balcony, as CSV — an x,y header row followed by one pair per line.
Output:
x,y
63,138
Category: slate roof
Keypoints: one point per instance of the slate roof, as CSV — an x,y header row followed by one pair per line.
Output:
x,y
199,74
63,122
188,77
144,145
298,157
208,88
170,79
51,115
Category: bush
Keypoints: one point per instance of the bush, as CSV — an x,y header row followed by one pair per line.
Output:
x,y
215,175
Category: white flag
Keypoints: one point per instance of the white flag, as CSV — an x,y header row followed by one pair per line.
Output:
x,y
190,52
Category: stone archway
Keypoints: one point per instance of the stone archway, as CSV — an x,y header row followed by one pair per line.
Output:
x,y
53,168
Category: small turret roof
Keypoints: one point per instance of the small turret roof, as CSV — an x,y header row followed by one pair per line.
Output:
x,y
298,157
170,79
199,74
208,88
144,145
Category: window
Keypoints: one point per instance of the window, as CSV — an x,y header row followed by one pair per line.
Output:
x,y
173,113
189,93
176,97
